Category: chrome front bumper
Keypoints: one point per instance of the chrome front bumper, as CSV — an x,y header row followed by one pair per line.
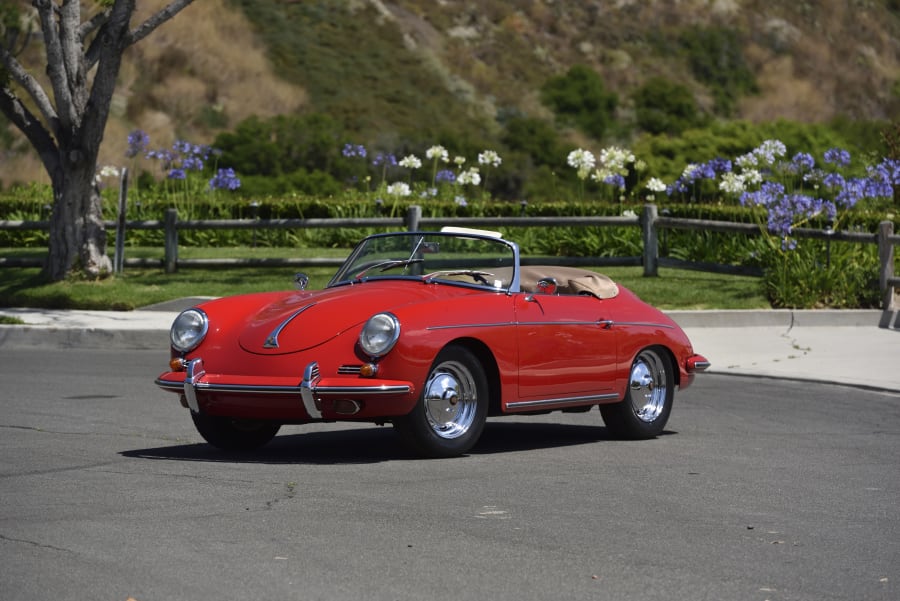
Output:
x,y
311,390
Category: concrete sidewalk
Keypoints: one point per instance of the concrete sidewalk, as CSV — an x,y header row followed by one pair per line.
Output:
x,y
845,347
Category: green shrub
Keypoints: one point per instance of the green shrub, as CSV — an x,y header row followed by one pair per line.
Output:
x,y
579,99
665,107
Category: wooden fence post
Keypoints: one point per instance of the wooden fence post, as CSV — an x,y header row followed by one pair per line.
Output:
x,y
171,236
886,262
650,240
119,256
413,216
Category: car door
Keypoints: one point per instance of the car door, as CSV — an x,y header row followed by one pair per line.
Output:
x,y
567,351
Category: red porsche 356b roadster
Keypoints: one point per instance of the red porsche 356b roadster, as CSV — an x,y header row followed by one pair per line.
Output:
x,y
433,333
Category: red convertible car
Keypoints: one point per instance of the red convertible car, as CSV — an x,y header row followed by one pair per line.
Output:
x,y
433,333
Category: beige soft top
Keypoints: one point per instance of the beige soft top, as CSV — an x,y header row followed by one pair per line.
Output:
x,y
569,280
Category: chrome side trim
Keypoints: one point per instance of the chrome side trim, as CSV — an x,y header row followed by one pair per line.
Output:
x,y
472,325
648,324
195,371
605,323
272,340
550,403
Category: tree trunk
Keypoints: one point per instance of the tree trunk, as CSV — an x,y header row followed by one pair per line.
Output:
x,y
77,236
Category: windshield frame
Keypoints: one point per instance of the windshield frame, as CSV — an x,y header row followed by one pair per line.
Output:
x,y
356,269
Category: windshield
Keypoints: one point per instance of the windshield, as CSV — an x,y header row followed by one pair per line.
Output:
x,y
432,257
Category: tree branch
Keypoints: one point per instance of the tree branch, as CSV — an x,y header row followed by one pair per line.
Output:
x,y
147,27
92,24
32,87
28,124
55,61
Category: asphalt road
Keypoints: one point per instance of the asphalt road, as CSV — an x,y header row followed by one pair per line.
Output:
x,y
761,489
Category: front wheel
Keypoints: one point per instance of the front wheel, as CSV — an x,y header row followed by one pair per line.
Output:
x,y
648,398
231,434
449,417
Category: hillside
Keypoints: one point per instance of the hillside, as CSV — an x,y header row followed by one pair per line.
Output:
x,y
419,69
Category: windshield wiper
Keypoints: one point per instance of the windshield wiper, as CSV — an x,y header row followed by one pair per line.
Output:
x,y
385,265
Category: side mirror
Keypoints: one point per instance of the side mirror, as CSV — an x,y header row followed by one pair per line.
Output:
x,y
301,281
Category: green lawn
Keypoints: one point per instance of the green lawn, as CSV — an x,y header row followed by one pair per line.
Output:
x,y
138,287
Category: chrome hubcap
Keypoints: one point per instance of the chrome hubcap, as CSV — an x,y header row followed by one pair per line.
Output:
x,y
648,386
450,400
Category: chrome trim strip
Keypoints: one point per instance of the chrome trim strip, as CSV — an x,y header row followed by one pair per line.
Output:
x,y
173,386
317,390
606,323
648,324
561,323
363,390
472,325
272,340
195,371
583,400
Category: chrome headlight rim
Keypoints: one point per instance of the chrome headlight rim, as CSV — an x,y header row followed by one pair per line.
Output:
x,y
379,334
188,330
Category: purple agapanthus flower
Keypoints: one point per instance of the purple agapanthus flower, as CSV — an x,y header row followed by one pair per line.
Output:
x,y
445,175
708,170
225,179
615,180
837,156
388,160
177,173
138,140
802,162
192,163
354,150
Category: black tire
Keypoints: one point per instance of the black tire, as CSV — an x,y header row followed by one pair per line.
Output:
x,y
231,434
644,411
449,417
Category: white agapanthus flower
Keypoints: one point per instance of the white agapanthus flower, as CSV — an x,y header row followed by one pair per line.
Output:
x,y
582,160
770,150
399,189
752,177
656,185
469,176
732,183
410,161
746,161
438,152
459,161
490,158
601,174
616,159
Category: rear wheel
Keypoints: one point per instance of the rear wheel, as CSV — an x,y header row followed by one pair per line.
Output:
x,y
648,397
231,434
450,415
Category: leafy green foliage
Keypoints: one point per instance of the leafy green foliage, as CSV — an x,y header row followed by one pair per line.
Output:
x,y
665,107
817,274
580,99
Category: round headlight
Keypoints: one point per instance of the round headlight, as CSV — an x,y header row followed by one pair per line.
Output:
x,y
188,330
379,334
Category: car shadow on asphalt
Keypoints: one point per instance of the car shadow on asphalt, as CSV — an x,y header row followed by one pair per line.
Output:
x,y
379,444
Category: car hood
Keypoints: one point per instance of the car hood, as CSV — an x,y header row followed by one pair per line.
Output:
x,y
302,320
